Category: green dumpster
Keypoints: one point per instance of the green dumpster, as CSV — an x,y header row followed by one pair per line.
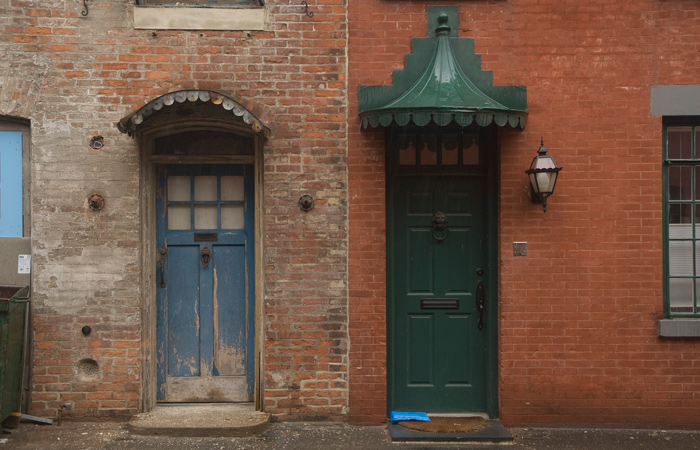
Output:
x,y
14,302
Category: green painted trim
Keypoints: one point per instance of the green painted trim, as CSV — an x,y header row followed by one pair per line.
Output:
x,y
492,375
665,224
390,173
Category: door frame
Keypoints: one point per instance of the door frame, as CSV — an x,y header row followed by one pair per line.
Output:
x,y
489,151
148,183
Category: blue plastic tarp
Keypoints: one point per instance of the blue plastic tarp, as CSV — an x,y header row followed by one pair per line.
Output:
x,y
399,416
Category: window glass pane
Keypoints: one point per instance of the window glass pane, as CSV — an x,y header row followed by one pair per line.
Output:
x,y
679,142
681,294
179,217
407,150
680,258
232,217
204,142
428,150
206,217
679,182
450,149
470,150
680,213
179,189
11,191
232,189
205,189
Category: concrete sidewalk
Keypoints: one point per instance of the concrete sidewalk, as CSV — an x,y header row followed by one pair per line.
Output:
x,y
324,436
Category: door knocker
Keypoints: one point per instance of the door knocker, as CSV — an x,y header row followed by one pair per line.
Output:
x,y
439,226
206,256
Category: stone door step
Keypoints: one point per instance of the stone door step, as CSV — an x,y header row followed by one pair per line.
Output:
x,y
210,420
494,432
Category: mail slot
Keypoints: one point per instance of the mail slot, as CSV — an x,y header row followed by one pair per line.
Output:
x,y
206,237
439,303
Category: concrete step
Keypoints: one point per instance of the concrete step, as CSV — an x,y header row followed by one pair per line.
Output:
x,y
197,420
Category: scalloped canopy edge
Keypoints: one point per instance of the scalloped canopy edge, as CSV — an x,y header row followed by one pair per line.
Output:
x,y
515,119
130,123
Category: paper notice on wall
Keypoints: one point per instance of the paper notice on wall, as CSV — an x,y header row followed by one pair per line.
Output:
x,y
24,263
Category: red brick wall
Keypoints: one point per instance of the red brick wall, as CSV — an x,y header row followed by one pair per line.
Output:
x,y
579,315
75,77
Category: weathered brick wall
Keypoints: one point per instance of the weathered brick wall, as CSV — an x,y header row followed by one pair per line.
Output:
x,y
75,77
578,316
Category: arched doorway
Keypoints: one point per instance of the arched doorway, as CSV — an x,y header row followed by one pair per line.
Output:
x,y
200,219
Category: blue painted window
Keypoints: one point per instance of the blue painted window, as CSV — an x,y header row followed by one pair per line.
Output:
x,y
10,183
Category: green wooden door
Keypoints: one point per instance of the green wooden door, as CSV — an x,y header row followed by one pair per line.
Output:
x,y
438,343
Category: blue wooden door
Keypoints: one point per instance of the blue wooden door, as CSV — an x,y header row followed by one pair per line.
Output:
x,y
11,183
205,282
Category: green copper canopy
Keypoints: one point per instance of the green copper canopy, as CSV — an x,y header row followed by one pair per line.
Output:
x,y
443,82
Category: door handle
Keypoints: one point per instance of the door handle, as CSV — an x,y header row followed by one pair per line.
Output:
x,y
206,256
439,226
480,297
163,251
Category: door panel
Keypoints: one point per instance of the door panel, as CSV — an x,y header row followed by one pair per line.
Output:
x,y
438,352
205,294
229,280
420,346
182,311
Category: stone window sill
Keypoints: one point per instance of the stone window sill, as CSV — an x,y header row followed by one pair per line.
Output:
x,y
228,19
679,327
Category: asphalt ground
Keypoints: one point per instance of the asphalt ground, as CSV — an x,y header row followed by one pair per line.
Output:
x,y
317,436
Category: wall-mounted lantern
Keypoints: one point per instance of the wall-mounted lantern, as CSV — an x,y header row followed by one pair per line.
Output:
x,y
543,174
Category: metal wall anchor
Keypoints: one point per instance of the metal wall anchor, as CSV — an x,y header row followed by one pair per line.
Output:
x,y
306,203
96,202
85,13
97,142
306,5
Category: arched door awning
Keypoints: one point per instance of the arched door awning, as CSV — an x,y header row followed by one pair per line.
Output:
x,y
131,123
443,83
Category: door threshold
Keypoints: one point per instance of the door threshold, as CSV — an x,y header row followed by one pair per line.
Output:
x,y
493,432
458,414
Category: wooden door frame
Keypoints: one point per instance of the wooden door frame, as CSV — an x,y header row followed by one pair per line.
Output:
x,y
147,198
488,138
